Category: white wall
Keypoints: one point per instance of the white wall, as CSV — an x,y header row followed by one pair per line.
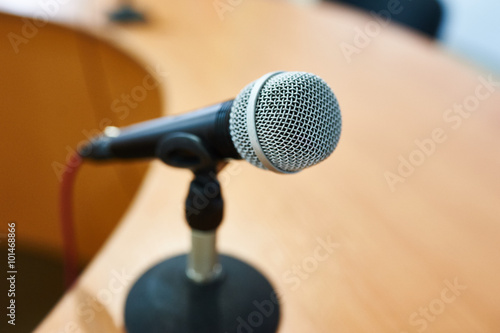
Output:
x,y
472,29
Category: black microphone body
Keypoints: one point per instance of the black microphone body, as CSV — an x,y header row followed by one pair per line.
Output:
x,y
283,122
210,124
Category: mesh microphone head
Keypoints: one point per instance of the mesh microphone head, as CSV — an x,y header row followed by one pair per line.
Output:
x,y
285,121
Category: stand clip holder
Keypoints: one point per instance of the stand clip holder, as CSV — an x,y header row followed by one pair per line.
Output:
x,y
202,291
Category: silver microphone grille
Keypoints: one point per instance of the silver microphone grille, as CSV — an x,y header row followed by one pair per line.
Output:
x,y
285,121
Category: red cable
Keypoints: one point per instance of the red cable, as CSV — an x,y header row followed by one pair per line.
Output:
x,y
70,254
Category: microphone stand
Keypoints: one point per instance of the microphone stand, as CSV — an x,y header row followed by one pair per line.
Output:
x,y
202,291
126,13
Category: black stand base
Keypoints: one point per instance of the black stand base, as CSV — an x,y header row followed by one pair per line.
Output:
x,y
165,300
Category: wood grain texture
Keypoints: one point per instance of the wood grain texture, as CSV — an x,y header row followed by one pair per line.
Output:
x,y
57,90
394,253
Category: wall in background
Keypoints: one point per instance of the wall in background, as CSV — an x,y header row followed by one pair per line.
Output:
x,y
472,29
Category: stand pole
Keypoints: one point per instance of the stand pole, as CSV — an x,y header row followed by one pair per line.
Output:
x,y
203,261
201,292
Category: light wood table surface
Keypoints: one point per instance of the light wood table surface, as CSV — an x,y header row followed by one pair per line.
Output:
x,y
396,253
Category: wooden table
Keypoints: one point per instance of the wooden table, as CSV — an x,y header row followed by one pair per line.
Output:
x,y
420,255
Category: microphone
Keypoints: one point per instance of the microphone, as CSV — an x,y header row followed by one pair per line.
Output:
x,y
282,122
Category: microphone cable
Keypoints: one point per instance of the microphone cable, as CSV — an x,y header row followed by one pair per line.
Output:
x,y
66,191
